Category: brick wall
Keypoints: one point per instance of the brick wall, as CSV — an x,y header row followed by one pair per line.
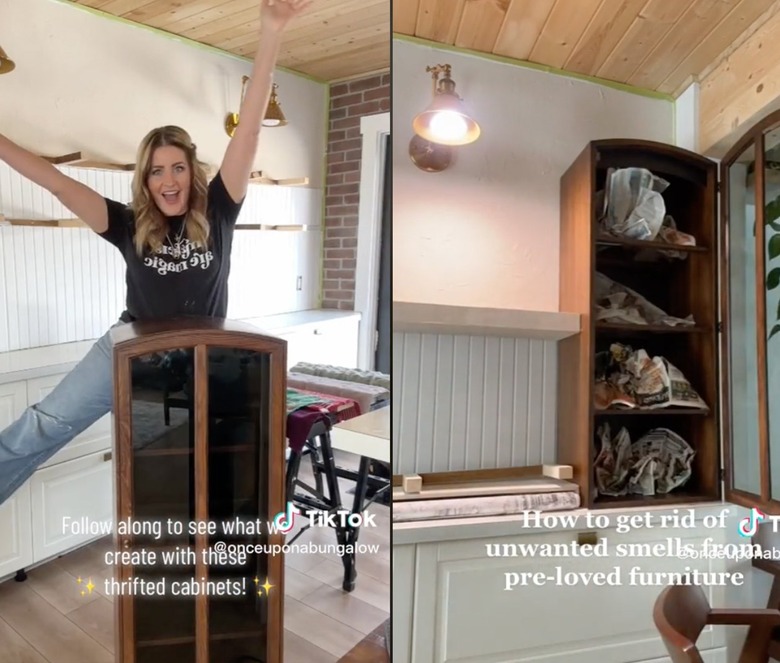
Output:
x,y
349,102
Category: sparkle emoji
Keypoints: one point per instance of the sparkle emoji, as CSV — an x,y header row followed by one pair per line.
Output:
x,y
88,587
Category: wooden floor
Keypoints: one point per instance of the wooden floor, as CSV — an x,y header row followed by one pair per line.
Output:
x,y
371,649
45,619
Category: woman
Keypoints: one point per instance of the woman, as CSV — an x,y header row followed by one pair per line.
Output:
x,y
175,236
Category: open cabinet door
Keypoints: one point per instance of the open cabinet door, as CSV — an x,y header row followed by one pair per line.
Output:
x,y
750,314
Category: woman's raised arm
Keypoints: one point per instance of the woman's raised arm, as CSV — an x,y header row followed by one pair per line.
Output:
x,y
86,204
240,153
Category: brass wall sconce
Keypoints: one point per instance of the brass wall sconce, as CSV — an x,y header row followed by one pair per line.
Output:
x,y
274,117
446,120
231,120
6,63
273,113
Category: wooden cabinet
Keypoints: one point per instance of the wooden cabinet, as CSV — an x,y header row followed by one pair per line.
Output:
x,y
683,285
200,406
729,282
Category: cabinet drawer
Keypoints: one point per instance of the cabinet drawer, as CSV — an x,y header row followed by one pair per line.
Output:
x,y
94,439
16,549
80,490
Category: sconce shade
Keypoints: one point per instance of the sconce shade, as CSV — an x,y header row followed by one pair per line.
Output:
x,y
274,117
6,64
447,120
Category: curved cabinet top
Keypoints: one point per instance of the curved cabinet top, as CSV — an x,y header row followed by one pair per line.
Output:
x,y
150,336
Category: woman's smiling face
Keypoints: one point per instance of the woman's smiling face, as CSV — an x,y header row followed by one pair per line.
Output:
x,y
169,180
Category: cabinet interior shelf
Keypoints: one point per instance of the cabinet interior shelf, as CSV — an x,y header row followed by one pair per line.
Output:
x,y
646,412
606,240
188,452
629,328
189,639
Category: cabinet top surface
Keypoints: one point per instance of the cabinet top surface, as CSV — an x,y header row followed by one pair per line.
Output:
x,y
61,358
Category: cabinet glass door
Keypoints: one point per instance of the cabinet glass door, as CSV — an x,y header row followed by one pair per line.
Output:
x,y
743,326
238,422
163,502
770,343
751,315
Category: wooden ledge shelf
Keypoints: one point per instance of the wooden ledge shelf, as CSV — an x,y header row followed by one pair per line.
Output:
x,y
259,177
43,223
77,160
476,321
288,228
483,483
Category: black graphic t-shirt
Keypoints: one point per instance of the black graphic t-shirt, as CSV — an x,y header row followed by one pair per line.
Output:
x,y
180,278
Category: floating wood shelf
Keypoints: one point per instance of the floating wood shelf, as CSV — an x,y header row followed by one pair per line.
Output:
x,y
263,226
259,177
77,160
510,323
44,223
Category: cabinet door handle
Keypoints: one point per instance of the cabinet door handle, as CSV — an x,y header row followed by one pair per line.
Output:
x,y
107,456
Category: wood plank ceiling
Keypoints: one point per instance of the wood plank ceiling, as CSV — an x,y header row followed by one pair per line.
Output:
x,y
657,45
333,40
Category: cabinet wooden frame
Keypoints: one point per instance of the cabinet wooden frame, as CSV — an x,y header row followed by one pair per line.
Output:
x,y
690,289
136,340
761,499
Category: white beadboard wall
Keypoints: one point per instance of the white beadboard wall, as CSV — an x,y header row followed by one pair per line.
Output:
x,y
472,402
67,284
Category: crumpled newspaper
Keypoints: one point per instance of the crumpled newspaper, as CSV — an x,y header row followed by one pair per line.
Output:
x,y
657,463
633,205
632,379
616,302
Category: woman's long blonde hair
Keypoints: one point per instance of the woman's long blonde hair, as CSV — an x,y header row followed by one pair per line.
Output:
x,y
151,225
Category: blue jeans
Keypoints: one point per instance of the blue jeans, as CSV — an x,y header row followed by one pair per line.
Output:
x,y
79,400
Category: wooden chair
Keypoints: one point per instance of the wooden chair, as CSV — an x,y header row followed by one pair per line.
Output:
x,y
682,611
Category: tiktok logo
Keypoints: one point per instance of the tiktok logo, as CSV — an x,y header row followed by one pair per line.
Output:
x,y
284,521
749,526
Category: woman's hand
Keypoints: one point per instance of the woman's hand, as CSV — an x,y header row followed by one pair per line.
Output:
x,y
276,14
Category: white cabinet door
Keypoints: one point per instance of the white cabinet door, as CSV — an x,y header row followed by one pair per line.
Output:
x,y
15,525
67,500
334,343
463,611
403,600
13,401
16,548
96,438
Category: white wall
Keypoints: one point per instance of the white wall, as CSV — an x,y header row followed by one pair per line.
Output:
x,y
485,231
86,82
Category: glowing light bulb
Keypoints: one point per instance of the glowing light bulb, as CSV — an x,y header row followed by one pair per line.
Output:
x,y
449,125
